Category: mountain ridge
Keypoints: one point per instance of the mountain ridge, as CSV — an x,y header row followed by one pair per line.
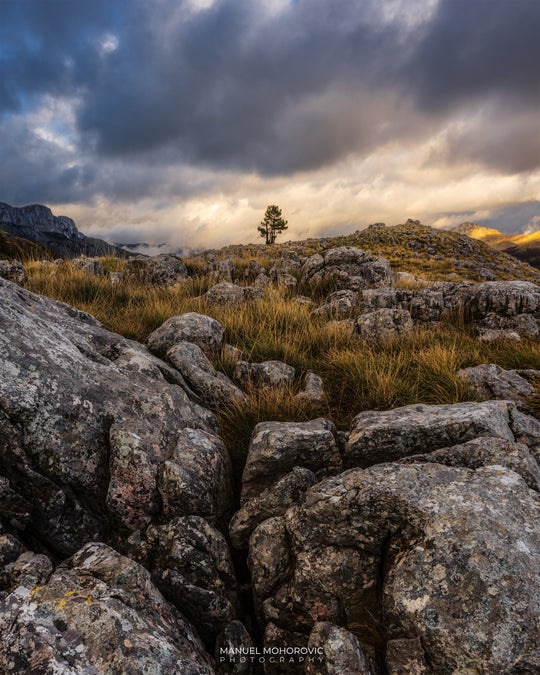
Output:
x,y
36,223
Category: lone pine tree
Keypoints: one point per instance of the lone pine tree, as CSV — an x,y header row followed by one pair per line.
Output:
x,y
272,224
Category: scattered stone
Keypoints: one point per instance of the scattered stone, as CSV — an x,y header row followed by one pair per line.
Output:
x,y
165,269
312,389
348,267
233,354
12,271
338,305
490,381
201,330
285,280
213,387
490,335
304,300
265,374
88,266
383,323
116,277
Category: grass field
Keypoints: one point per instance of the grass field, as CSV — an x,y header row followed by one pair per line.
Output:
x,y
357,375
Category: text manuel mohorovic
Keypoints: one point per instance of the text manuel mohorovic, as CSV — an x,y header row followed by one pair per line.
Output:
x,y
271,654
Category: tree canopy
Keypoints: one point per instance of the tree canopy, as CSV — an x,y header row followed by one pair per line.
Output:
x,y
272,224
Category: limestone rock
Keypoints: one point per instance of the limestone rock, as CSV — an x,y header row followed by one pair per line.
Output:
x,y
214,388
285,280
229,661
337,652
348,267
312,389
201,330
265,374
486,452
193,569
116,277
224,293
165,269
221,270
338,305
490,381
82,437
273,501
383,323
389,435
276,448
88,265
196,477
13,271
98,612
445,554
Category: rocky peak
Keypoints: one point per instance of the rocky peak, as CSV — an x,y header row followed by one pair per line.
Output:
x,y
39,218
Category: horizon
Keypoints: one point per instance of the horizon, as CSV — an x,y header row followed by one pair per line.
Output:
x,y
179,123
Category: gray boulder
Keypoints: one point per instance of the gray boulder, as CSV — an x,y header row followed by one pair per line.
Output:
x,y
386,436
273,501
81,436
490,381
193,569
196,478
220,270
198,329
233,646
448,555
13,271
265,374
348,267
88,265
312,389
165,269
213,388
486,451
276,448
97,612
338,305
383,323
336,651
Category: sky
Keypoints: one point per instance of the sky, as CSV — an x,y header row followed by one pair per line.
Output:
x,y
179,121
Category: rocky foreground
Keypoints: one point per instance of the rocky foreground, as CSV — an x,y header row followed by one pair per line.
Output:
x,y
408,543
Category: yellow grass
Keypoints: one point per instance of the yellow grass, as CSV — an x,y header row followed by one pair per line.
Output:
x,y
357,375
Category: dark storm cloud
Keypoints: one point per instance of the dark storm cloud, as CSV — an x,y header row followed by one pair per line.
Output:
x,y
474,48
233,88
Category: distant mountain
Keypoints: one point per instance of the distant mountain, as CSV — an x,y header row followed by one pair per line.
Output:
x,y
523,246
59,234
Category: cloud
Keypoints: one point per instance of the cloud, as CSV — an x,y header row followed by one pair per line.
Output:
x,y
345,111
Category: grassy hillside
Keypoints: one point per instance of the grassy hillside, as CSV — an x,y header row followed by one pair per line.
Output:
x,y
17,248
412,247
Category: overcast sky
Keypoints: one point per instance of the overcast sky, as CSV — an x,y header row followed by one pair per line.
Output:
x,y
181,120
